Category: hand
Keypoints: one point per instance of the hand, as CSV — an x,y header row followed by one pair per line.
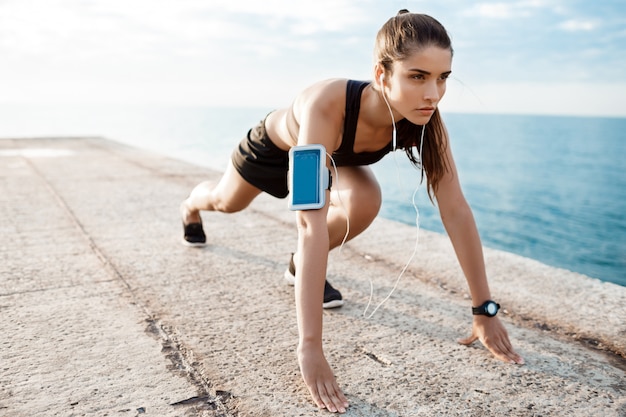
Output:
x,y
494,337
320,380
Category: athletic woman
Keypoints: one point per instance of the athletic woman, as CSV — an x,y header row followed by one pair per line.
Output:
x,y
358,123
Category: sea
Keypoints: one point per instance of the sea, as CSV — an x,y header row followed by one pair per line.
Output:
x,y
550,188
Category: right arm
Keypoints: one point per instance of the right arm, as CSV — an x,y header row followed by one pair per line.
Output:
x,y
319,111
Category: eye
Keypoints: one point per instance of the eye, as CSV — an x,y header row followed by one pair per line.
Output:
x,y
418,77
444,77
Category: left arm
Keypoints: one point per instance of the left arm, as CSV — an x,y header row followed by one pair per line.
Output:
x,y
459,223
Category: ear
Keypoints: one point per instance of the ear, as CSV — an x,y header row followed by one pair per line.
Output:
x,y
379,74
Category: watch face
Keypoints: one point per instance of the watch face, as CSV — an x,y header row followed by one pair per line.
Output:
x,y
492,309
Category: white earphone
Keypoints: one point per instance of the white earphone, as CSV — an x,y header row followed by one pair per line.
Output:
x,y
381,78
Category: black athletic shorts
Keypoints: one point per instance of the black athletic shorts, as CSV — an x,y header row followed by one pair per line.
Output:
x,y
261,163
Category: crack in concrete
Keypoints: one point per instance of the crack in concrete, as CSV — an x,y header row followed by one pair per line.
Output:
x,y
173,349
182,362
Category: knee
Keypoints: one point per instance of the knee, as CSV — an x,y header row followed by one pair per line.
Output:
x,y
226,197
366,203
226,206
371,204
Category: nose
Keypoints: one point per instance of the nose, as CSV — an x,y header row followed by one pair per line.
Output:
x,y
431,92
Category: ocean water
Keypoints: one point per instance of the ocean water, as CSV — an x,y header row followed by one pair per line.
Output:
x,y
548,188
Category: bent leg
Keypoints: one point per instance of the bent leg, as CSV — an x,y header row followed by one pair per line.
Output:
x,y
232,193
355,193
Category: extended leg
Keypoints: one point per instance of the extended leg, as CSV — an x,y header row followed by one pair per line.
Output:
x,y
232,193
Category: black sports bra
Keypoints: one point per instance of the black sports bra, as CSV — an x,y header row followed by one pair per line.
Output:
x,y
345,155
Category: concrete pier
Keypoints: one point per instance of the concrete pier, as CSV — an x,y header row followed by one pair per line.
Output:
x,y
104,312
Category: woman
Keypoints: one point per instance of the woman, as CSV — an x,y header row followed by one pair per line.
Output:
x,y
356,123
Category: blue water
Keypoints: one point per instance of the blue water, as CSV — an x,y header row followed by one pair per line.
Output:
x,y
548,188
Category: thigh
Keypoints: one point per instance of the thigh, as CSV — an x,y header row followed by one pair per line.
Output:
x,y
233,193
357,190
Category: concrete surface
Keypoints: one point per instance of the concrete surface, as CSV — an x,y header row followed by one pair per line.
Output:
x,y
104,313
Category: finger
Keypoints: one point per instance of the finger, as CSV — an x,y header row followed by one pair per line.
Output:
x,y
499,350
326,398
317,399
338,401
506,352
344,399
513,356
468,340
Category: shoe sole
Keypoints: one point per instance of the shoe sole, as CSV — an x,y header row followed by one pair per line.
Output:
x,y
291,280
193,244
333,304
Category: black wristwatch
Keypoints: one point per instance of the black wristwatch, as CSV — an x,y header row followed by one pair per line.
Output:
x,y
489,309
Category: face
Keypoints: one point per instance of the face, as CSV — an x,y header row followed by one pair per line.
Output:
x,y
418,83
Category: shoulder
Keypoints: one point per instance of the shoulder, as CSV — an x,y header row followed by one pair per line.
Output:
x,y
319,111
325,96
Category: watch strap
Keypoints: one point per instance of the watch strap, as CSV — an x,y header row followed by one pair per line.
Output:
x,y
482,309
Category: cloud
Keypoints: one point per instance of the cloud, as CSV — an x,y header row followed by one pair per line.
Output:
x,y
218,51
115,27
578,25
505,10
309,16
493,10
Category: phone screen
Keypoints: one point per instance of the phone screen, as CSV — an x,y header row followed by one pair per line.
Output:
x,y
306,177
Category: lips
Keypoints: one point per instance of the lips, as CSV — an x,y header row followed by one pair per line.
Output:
x,y
426,110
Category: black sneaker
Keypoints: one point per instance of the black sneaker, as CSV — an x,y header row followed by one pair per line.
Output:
x,y
332,297
194,235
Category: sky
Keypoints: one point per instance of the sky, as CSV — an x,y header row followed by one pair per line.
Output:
x,y
519,56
